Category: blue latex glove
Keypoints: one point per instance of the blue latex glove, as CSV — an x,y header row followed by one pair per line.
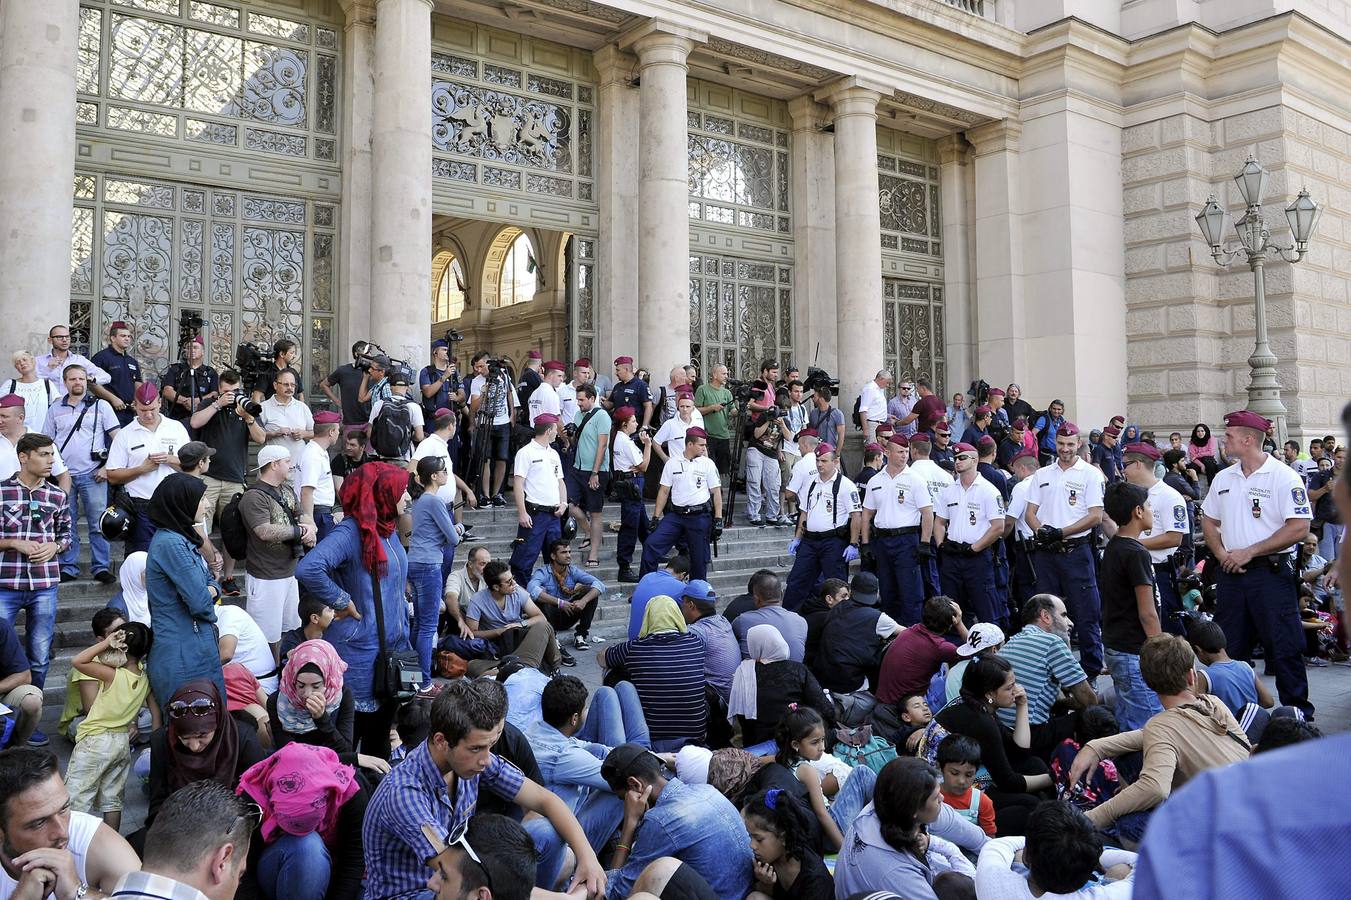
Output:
x,y
792,546
850,553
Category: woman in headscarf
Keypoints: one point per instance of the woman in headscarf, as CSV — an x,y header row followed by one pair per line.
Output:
x,y
131,599
181,596
1203,452
200,741
313,706
311,827
666,666
766,685
363,549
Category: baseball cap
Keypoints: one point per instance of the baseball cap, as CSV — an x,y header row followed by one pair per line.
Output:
x,y
400,376
271,453
864,589
701,593
440,342
193,452
981,636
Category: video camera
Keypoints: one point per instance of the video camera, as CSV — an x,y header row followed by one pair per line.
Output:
x,y
452,336
369,354
818,381
979,393
252,362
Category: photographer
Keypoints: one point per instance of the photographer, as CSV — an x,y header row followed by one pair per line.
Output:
x,y
284,354
347,378
83,426
396,422
226,425
188,385
497,418
271,515
764,432
713,400
439,382
374,380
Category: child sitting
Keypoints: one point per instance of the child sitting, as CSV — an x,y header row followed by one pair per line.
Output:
x,y
785,865
1190,584
837,791
958,760
315,616
1319,643
915,717
1102,785
97,773
1232,680
1062,856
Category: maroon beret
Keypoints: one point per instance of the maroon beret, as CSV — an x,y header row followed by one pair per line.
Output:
x,y
582,363
147,392
1023,454
1147,450
963,448
623,360
807,432
555,365
996,392
624,413
899,440
1020,422
534,354
1068,429
1245,419
1112,431
942,428
696,432
10,401
546,419
327,417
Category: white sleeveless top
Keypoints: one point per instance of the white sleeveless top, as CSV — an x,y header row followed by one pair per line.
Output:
x,y
82,830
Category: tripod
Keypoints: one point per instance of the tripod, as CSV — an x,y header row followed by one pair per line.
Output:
x,y
480,448
734,468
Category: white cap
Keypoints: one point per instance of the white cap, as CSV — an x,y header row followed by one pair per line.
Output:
x,y
982,636
271,453
692,764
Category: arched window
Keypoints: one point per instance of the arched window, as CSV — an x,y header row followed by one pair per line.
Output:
x,y
517,283
448,301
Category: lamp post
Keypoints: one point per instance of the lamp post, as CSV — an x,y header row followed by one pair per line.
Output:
x,y
1255,246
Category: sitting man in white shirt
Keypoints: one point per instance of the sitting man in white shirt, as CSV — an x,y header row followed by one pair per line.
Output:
x,y
1061,856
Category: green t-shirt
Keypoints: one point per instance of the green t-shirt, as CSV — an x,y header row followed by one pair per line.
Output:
x,y
715,423
587,440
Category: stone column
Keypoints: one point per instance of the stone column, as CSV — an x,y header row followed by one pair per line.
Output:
x,y
858,225
37,166
401,179
813,184
959,319
1002,326
663,194
616,166
354,236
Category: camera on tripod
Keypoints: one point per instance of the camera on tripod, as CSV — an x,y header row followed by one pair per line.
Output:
x,y
818,381
979,392
252,362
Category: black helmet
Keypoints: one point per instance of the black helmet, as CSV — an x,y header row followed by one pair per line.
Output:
x,y
569,528
115,524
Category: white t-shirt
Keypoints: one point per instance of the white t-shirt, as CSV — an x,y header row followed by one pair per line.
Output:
x,y
541,468
502,415
1250,510
317,472
819,500
969,511
544,399
872,404
135,442
996,878
899,502
691,481
1064,496
433,445
567,402
276,416
251,647
82,829
673,430
627,453
1170,514
37,397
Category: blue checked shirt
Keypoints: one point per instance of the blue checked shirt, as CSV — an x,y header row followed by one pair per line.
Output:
x,y
544,580
412,795
41,514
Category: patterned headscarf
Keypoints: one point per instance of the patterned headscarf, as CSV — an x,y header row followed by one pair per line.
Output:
x,y
320,655
301,789
370,496
731,769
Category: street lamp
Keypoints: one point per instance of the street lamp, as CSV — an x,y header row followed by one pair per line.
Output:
x,y
1255,245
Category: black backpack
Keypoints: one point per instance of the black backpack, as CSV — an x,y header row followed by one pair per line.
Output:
x,y
392,431
857,416
234,534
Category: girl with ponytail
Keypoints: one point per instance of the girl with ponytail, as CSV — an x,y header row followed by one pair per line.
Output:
x,y
786,866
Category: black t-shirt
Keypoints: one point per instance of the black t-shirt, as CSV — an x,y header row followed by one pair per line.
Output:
x,y
1125,566
265,381
347,379
180,377
813,881
1324,509
343,465
740,604
228,435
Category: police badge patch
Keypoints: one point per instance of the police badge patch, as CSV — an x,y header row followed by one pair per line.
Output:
x,y
973,517
1256,508
1180,515
1299,496
900,496
1074,496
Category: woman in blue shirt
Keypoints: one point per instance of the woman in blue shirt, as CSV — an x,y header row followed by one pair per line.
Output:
x,y
341,571
433,543
179,590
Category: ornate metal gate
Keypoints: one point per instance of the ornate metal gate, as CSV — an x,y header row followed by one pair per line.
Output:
x,y
741,313
913,331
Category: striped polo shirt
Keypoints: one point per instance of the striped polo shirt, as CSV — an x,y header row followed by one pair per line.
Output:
x,y
1043,665
667,670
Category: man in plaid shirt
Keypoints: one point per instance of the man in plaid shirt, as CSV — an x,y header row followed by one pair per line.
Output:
x,y
34,529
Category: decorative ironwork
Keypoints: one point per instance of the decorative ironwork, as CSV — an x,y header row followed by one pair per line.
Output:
x,y
275,89
326,94
279,28
223,264
501,76
909,205
126,119
324,215
275,142
321,297
584,143
268,209
903,205
320,355
220,339
755,133
90,44
82,251
458,66
168,7
472,121
553,87
326,38
912,341
194,201
584,94
138,193
137,279
85,185
212,14
223,204
501,178
190,262
740,313
81,311
730,172
325,150
718,125
545,184
273,300
211,132
456,171
86,113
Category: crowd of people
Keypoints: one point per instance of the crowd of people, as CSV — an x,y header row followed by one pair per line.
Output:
x,y
369,709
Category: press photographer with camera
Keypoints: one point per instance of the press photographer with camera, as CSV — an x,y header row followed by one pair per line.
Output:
x,y
284,355
439,382
83,426
347,379
492,406
226,425
189,384
765,432
271,513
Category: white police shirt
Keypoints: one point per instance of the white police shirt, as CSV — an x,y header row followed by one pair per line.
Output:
x,y
434,445
1017,510
827,507
801,475
135,442
627,453
969,511
567,402
1250,510
898,502
691,481
539,468
672,433
9,459
544,399
1170,514
316,472
932,474
1064,496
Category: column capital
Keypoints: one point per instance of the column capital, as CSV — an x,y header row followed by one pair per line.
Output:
x,y
614,66
807,113
358,12
853,96
953,149
995,137
658,41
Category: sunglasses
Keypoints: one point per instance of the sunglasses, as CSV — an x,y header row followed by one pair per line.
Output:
x,y
252,814
458,836
200,708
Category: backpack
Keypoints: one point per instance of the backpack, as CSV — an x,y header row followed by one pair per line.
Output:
x,y
860,747
234,534
392,430
857,416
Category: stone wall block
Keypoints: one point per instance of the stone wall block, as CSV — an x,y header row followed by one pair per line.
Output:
x,y
1146,384
1145,260
1140,137
1248,127
1139,199
1144,321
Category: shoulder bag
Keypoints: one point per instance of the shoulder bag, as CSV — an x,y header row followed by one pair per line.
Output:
x,y
398,673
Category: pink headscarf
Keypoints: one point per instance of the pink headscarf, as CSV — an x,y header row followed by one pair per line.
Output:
x,y
323,656
301,789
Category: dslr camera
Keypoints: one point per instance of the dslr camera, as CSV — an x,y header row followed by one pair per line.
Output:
x,y
239,399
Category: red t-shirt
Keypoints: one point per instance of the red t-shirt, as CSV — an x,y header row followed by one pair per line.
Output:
x,y
930,411
962,803
911,660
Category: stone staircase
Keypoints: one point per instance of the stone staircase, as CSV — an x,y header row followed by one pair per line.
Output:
x,y
742,551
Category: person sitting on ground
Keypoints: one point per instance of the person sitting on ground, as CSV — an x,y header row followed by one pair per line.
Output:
x,y
1044,666
958,761
1104,783
568,594
47,849
198,848
768,685
1195,732
738,776
131,600
665,817
1232,680
785,865
503,613
835,789
915,716
315,617
852,635
1282,731
1063,856
666,666
17,690
312,808
767,589
491,858
832,593
722,654
917,654
983,639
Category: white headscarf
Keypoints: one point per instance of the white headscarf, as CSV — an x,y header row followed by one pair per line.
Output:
x,y
764,643
132,575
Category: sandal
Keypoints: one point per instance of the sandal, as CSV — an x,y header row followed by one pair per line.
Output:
x,y
593,564
585,544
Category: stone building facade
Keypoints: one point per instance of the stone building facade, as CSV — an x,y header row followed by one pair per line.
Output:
x,y
952,188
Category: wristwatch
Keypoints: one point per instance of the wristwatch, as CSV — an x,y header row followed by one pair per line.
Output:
x,y
82,891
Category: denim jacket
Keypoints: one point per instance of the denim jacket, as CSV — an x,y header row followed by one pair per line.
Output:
x,y
698,826
570,766
543,580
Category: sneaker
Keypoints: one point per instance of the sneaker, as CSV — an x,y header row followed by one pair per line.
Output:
x,y
776,523
566,658
105,577
1314,661
756,523
229,587
38,738
468,533
627,576
579,642
499,501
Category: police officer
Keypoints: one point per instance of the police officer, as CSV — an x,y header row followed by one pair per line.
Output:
x,y
941,453
1104,453
921,444
541,497
189,385
898,518
1165,536
544,399
970,521
1064,505
630,390
1255,515
1017,531
694,514
828,525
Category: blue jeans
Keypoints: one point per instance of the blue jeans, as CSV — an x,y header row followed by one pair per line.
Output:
x,y
426,581
40,628
1135,702
549,849
615,717
294,868
854,794
323,522
91,497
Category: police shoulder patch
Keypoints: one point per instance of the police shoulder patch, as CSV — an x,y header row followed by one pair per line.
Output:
x,y
1180,514
1297,494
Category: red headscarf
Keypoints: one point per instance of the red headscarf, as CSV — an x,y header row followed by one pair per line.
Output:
x,y
301,789
370,496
